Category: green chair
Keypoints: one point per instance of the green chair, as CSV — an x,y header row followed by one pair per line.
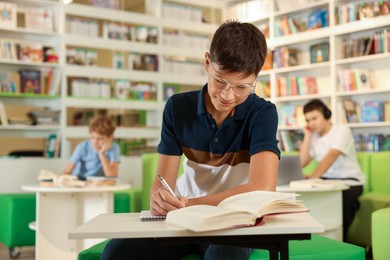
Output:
x,y
16,212
376,196
318,248
381,234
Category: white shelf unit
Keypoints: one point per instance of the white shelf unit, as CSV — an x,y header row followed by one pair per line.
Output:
x,y
24,34
326,73
153,108
61,38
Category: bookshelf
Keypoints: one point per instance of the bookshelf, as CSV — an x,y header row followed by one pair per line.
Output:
x,y
347,35
31,45
98,51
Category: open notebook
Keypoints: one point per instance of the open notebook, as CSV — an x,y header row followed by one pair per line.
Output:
x,y
146,215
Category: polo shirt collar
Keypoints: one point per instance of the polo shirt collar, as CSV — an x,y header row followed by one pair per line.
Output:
x,y
239,113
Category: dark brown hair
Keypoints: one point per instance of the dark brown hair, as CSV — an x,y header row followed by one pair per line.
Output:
x,y
239,47
101,125
317,104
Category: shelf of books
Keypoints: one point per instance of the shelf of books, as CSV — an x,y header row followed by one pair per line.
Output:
x,y
30,73
125,61
337,51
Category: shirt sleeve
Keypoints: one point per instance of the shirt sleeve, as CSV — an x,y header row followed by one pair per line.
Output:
x,y
342,140
169,144
263,131
78,152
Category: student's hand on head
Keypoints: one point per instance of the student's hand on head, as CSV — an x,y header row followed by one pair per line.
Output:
x,y
307,130
106,145
161,202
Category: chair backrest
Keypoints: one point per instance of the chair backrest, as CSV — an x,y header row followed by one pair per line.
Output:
x,y
364,160
149,166
380,172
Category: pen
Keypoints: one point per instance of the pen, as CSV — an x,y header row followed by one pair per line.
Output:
x,y
166,186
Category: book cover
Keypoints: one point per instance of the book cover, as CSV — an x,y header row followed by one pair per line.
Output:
x,y
372,111
39,18
9,82
319,52
8,15
287,115
30,81
241,210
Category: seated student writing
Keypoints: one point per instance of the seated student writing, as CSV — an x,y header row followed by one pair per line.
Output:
x,y
334,148
228,136
98,156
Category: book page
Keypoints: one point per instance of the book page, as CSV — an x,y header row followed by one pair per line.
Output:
x,y
253,201
207,217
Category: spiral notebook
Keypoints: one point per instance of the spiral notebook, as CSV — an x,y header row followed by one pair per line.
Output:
x,y
146,215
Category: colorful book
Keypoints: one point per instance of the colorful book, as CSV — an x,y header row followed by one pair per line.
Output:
x,y
372,111
8,16
30,81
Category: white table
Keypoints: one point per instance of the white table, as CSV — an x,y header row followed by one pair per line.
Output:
x,y
325,204
61,209
276,230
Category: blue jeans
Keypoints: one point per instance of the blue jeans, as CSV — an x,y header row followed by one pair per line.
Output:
x,y
147,248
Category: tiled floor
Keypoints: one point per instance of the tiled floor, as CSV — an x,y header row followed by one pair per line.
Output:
x,y
27,253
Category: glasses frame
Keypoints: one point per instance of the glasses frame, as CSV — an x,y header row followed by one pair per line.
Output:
x,y
233,85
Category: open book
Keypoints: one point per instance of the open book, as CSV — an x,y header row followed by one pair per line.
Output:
x,y
245,209
317,183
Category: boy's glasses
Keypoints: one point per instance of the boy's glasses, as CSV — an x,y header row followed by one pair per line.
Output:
x,y
239,89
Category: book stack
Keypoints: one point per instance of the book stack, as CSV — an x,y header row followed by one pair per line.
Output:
x,y
45,117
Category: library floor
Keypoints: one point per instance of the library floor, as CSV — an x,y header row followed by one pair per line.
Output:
x,y
27,253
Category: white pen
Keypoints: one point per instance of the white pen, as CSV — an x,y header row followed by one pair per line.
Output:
x,y
166,186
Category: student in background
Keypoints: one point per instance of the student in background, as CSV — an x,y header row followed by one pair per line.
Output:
x,y
334,148
228,136
98,156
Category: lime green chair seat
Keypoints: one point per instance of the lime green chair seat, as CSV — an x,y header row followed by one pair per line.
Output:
x,y
318,248
381,234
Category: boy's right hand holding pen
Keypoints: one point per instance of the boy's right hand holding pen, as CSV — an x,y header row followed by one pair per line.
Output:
x,y
165,200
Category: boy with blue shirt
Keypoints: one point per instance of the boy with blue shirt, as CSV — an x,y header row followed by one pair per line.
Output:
x,y
98,156
228,136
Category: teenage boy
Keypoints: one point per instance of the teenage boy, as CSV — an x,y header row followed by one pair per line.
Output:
x,y
228,136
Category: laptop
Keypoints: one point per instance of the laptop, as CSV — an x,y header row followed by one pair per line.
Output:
x,y
289,169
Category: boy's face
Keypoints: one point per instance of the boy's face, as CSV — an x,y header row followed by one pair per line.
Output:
x,y
316,121
225,100
98,140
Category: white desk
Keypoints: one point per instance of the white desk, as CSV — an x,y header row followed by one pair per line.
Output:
x,y
277,230
60,209
326,205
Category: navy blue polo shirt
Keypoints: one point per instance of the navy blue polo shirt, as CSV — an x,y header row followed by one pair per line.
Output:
x,y
215,153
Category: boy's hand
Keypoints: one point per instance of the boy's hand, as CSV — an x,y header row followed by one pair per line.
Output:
x,y
161,202
106,146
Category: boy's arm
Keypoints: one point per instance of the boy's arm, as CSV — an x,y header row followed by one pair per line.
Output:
x,y
325,163
69,168
304,154
110,168
161,201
